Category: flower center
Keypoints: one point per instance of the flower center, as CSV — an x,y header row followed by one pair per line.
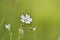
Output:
x,y
25,20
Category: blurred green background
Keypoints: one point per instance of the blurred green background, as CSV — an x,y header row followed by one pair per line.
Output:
x,y
45,14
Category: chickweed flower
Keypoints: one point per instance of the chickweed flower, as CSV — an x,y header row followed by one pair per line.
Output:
x,y
26,19
32,28
21,31
7,26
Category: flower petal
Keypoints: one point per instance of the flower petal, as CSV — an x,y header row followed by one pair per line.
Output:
x,y
22,16
27,16
34,29
22,20
7,26
30,19
28,22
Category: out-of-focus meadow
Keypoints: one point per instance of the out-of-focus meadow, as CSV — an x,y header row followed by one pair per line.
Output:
x,y
45,14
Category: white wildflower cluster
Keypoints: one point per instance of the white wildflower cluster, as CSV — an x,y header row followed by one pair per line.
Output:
x,y
24,19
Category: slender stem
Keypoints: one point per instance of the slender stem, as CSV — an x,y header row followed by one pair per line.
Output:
x,y
10,33
20,36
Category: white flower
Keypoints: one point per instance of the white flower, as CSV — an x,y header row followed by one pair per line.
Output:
x,y
7,26
26,19
21,31
34,29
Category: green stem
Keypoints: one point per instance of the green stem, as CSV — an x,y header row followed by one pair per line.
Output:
x,y
10,33
20,36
